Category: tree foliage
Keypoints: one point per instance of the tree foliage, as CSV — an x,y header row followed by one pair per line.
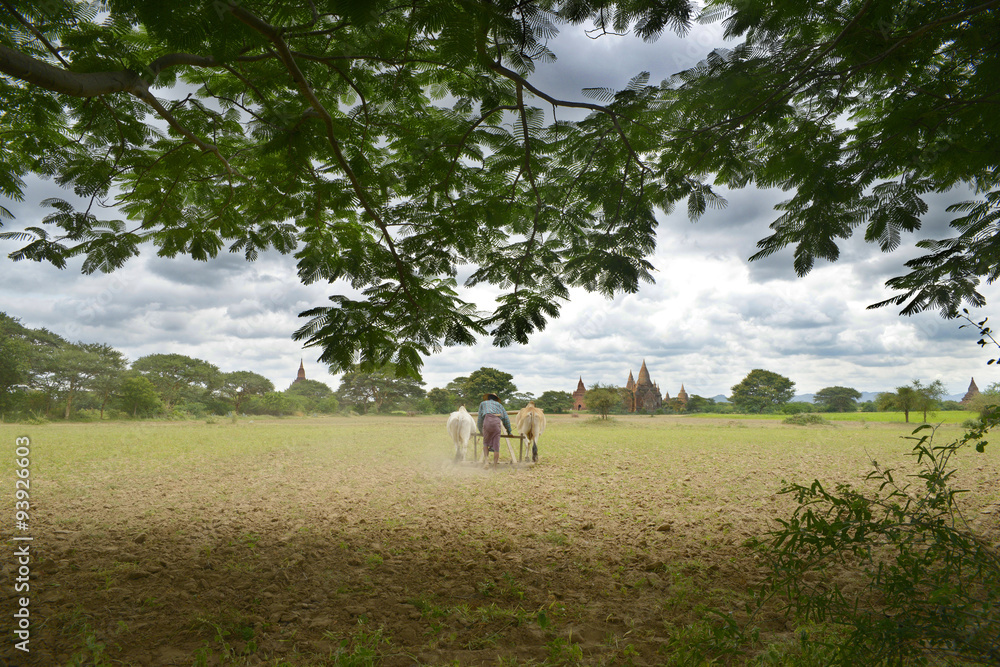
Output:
x,y
762,391
15,352
837,399
555,402
383,144
605,399
929,395
701,404
175,374
110,373
312,396
70,368
860,110
313,389
904,399
488,380
138,397
240,385
378,389
912,397
443,400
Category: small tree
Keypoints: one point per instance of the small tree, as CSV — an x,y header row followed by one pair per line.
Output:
x,y
312,389
110,373
932,581
675,405
442,400
555,401
762,391
378,389
276,403
173,375
15,351
604,399
239,385
315,396
837,399
138,397
905,399
701,404
68,369
488,380
928,397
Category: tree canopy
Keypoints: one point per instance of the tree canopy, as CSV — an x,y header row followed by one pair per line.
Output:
x,y
378,389
860,109
762,391
605,398
904,399
175,374
385,145
837,399
555,401
239,385
382,144
914,396
487,380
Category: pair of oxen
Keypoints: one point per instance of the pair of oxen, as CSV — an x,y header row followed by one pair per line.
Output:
x,y
529,421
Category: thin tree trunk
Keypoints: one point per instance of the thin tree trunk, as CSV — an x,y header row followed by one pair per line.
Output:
x,y
69,402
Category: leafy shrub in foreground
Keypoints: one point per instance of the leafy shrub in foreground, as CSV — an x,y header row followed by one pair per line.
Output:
x,y
930,584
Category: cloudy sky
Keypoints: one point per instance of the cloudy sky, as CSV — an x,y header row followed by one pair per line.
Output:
x,y
708,320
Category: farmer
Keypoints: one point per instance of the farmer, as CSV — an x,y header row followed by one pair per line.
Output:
x,y
491,415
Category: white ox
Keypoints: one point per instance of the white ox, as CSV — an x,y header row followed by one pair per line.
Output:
x,y
530,423
460,427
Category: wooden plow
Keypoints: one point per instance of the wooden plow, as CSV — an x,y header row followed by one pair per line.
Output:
x,y
517,459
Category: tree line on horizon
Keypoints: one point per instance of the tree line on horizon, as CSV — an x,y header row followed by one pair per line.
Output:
x,y
44,376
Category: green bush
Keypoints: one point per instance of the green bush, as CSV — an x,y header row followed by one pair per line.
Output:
x,y
87,415
804,419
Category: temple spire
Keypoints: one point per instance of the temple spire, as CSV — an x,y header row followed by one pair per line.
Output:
x,y
972,393
644,375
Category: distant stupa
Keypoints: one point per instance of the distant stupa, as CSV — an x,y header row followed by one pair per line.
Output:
x,y
302,373
972,393
580,396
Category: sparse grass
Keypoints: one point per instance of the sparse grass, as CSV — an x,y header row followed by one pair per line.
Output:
x,y
555,537
361,648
